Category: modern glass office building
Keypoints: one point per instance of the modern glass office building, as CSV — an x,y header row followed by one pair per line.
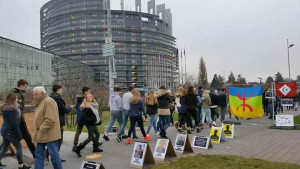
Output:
x,y
145,48
39,68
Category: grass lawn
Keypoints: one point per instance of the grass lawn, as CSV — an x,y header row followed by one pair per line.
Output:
x,y
105,122
220,161
297,119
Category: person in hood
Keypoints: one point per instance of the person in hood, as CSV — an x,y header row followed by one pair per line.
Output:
x,y
62,110
164,113
79,121
116,107
20,90
214,105
91,119
11,131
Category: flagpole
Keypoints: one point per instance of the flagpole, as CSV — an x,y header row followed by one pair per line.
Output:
x,y
273,88
185,66
181,69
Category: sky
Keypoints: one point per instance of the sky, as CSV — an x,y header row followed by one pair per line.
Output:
x,y
247,37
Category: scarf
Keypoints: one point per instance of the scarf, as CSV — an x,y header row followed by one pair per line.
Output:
x,y
94,107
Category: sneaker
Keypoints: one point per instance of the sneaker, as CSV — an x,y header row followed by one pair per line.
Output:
x,y
180,129
2,165
25,167
97,150
198,130
157,133
62,160
105,138
192,129
124,136
74,148
189,132
128,141
214,123
147,138
119,139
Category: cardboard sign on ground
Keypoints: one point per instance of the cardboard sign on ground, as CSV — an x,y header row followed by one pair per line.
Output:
x,y
141,154
93,156
91,165
113,131
228,130
217,135
182,144
202,142
162,149
285,120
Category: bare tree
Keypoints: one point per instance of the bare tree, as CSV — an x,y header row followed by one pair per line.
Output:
x,y
202,74
189,80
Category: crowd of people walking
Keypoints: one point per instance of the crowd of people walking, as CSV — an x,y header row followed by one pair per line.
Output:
x,y
195,107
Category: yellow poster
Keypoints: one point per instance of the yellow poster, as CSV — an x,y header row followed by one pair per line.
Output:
x,y
215,134
228,130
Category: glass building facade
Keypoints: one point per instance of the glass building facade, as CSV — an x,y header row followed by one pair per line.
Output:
x,y
145,48
39,68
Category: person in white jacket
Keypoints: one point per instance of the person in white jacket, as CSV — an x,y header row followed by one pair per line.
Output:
x,y
116,107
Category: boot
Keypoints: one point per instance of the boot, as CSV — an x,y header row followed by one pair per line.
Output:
x,y
97,150
78,149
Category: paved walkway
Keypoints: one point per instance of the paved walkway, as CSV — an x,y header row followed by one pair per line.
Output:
x,y
252,139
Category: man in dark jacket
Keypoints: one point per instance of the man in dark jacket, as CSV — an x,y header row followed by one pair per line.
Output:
x,y
214,105
62,110
79,120
21,88
222,101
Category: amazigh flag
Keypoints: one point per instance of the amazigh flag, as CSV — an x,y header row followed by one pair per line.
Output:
x,y
246,102
286,89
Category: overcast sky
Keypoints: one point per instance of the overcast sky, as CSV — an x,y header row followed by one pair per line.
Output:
x,y
247,37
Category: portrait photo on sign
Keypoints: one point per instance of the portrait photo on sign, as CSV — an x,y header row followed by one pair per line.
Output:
x,y
215,135
180,142
228,130
161,148
138,153
270,94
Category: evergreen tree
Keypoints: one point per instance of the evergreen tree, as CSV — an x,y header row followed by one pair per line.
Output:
x,y
215,83
279,77
202,74
231,78
298,78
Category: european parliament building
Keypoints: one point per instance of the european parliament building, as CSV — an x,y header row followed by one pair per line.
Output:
x,y
39,68
146,55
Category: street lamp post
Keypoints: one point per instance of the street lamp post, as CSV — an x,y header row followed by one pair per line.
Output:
x,y
288,48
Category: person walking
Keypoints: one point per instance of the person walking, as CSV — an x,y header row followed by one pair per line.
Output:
x,y
172,106
11,130
178,95
79,121
151,107
62,110
164,100
222,101
206,102
214,105
91,119
126,108
135,114
46,129
185,117
191,103
116,107
20,90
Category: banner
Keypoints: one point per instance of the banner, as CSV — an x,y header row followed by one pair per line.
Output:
x,y
246,102
288,89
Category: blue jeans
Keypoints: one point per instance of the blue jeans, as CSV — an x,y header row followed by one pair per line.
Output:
x,y
152,122
17,143
124,123
164,122
158,124
198,110
40,155
208,113
114,115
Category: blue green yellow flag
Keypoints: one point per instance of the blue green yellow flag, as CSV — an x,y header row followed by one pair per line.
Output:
x,y
246,102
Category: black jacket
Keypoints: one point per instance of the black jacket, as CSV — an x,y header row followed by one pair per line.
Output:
x,y
191,101
163,99
222,101
151,109
214,99
62,109
88,117
11,121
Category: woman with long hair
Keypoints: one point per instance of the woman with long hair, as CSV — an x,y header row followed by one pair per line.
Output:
x,y
10,130
178,94
205,110
191,102
151,107
91,118
135,114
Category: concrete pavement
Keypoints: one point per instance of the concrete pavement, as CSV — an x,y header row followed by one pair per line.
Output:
x,y
252,139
